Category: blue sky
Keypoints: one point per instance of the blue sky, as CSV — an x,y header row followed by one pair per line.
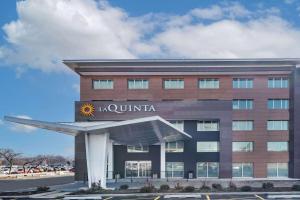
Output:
x,y
36,35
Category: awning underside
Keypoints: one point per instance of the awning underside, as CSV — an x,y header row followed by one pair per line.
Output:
x,y
142,131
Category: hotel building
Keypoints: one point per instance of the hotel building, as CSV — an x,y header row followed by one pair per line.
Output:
x,y
203,118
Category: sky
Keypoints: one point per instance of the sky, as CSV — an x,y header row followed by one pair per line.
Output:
x,y
35,36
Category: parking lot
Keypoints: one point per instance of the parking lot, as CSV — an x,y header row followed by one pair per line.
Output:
x,y
15,185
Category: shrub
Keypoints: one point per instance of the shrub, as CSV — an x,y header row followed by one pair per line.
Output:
x,y
246,188
42,189
217,186
268,186
296,187
164,188
232,186
178,187
189,189
205,187
96,188
124,187
147,189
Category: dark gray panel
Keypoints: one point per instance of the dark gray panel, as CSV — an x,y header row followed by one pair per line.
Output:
x,y
80,159
295,125
190,111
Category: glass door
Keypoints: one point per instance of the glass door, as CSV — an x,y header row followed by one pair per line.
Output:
x,y
137,169
144,168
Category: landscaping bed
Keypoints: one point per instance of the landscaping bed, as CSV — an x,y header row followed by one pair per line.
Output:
x,y
214,188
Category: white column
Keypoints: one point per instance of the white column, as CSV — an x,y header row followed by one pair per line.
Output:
x,y
96,156
110,159
162,160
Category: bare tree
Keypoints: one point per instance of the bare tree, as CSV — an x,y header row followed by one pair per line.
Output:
x,y
35,162
9,156
25,162
55,159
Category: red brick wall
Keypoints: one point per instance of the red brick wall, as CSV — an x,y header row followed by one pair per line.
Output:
x,y
260,113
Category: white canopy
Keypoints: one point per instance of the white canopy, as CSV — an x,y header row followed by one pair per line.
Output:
x,y
144,131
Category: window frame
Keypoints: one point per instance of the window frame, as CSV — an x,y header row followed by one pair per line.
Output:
x,y
283,103
134,83
211,122
208,151
177,150
241,121
104,80
239,85
207,167
172,171
178,124
248,102
272,85
243,166
215,83
144,149
282,125
171,80
277,142
277,169
243,151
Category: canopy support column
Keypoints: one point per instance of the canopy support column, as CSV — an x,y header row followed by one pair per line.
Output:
x,y
163,160
110,157
96,157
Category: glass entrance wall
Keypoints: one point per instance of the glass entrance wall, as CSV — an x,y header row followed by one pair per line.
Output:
x,y
138,169
208,169
175,169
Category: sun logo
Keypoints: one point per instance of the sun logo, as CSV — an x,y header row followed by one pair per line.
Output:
x,y
87,109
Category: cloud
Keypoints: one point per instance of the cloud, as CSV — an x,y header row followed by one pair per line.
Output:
x,y
268,37
76,87
51,30
22,128
48,31
214,12
289,1
1,122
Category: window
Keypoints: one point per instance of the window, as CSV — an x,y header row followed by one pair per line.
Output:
x,y
178,124
242,125
138,84
208,169
103,84
278,125
242,83
278,82
277,146
175,169
207,126
174,84
242,146
278,104
207,146
137,149
242,104
242,170
210,83
278,170
174,147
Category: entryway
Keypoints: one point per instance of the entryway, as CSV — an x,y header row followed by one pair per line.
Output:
x,y
138,169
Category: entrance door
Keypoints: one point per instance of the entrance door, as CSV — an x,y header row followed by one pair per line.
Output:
x,y
137,169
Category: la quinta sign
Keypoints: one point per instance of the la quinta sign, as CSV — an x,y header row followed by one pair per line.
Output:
x,y
116,108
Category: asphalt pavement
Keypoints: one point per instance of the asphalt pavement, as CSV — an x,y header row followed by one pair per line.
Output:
x,y
24,184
